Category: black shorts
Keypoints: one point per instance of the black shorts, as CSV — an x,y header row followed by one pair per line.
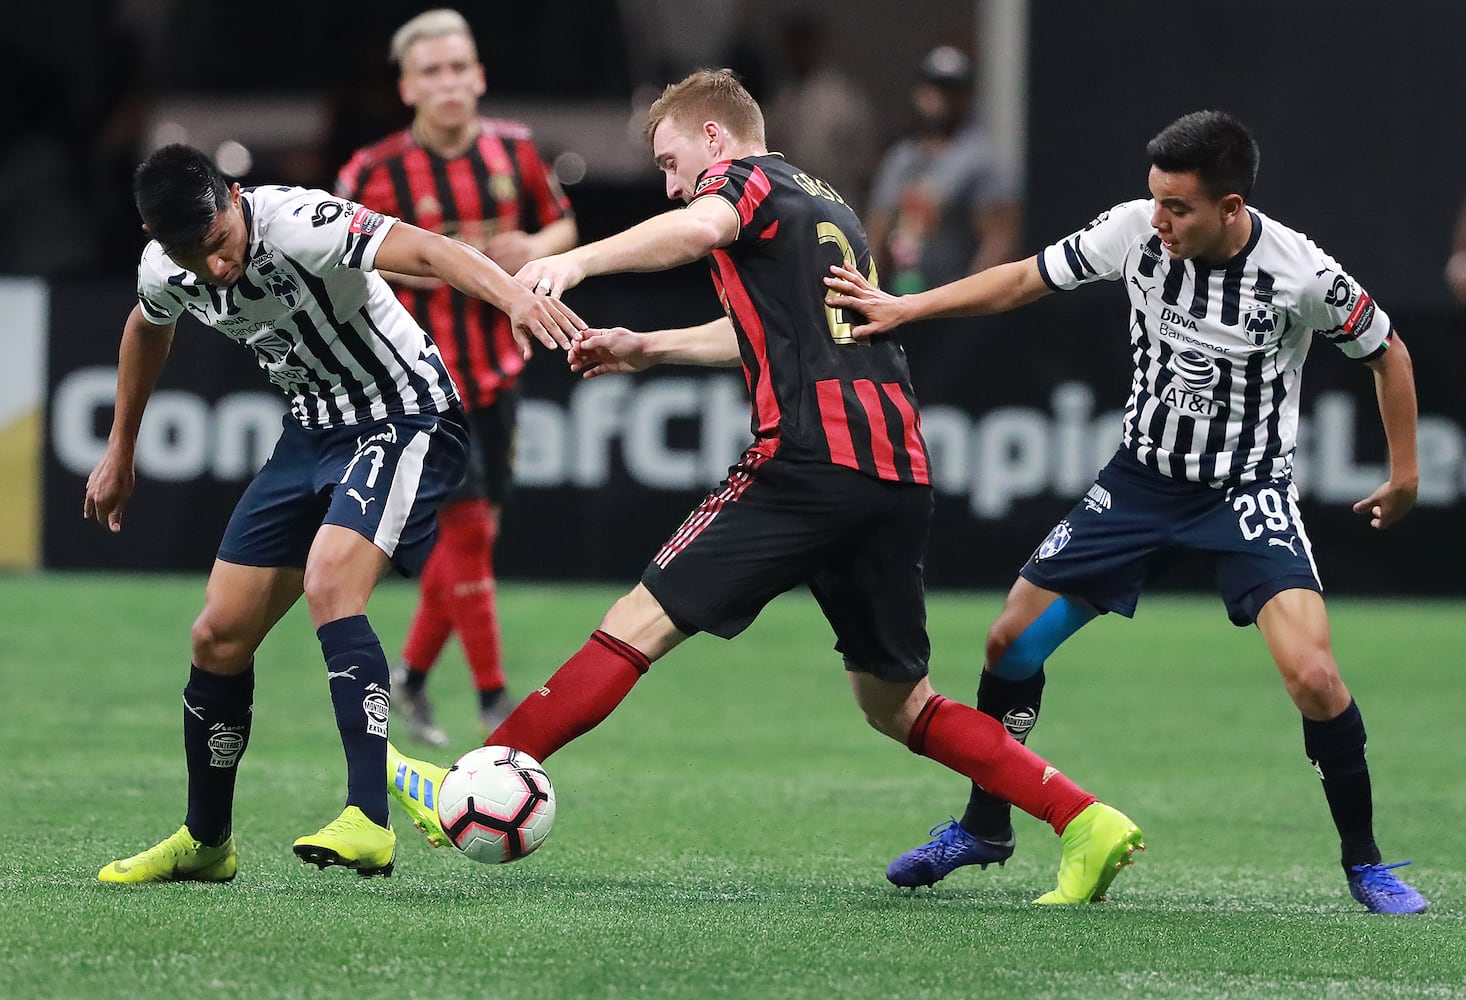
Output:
x,y
1134,523
855,541
492,437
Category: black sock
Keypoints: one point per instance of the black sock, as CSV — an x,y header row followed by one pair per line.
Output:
x,y
1336,749
1015,704
216,717
414,681
488,699
358,674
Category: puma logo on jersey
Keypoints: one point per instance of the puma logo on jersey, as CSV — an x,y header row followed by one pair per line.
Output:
x,y
348,674
1145,290
360,499
1284,544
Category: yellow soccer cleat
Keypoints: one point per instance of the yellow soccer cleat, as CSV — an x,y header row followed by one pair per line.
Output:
x,y
180,858
414,784
1097,844
351,841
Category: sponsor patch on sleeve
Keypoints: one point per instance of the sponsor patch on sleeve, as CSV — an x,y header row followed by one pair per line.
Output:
x,y
713,183
365,221
1362,316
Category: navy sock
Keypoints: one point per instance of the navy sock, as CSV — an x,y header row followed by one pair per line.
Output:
x,y
216,717
1336,749
1015,704
361,695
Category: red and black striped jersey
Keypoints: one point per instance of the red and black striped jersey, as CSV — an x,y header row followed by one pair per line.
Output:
x,y
817,394
499,185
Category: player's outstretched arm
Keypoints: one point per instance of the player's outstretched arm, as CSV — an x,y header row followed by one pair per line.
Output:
x,y
995,290
1394,386
140,360
605,352
664,241
410,250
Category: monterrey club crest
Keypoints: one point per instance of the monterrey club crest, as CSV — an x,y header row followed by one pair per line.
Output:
x,y
1052,545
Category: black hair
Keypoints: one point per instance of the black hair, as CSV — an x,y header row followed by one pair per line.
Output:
x,y
1213,145
179,192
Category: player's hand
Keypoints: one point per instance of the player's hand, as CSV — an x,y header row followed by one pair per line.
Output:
x,y
547,320
510,250
604,352
551,276
109,487
1387,504
849,290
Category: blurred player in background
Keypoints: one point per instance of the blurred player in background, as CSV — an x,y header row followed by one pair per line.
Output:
x,y
1224,304
833,494
374,440
483,182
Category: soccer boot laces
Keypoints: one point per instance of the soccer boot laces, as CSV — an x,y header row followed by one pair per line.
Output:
x,y
1379,889
952,847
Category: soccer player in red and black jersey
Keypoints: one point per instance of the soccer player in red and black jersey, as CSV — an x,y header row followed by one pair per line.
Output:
x,y
483,182
833,494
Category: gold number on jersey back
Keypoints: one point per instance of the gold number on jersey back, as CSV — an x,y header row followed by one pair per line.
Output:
x,y
837,319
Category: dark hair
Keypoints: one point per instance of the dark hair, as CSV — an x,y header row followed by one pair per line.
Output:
x,y
178,192
1213,145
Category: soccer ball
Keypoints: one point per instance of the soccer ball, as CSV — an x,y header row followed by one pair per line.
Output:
x,y
496,804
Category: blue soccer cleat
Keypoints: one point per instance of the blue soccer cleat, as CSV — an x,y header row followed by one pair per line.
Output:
x,y
952,848
1377,888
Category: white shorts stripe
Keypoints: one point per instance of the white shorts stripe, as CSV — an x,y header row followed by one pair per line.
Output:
x,y
403,493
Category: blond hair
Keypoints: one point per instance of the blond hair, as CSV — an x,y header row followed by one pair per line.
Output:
x,y
428,24
708,95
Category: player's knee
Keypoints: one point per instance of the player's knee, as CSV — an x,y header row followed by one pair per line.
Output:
x,y
331,592
999,640
637,618
216,644
1313,681
1017,651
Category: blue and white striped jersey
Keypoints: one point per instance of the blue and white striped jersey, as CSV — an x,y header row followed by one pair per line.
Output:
x,y
327,330
1219,348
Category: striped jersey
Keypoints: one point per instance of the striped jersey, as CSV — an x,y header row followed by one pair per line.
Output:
x,y
499,184
817,394
327,331
1218,347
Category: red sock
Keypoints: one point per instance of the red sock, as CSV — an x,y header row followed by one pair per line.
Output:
x,y
430,626
978,746
575,699
468,535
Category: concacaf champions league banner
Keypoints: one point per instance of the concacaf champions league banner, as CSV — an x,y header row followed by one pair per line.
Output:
x,y
1019,412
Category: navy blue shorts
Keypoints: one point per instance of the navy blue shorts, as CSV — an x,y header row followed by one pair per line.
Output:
x,y
383,480
1135,523
857,542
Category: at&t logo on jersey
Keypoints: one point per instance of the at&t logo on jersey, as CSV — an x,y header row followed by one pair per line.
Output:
x,y
1190,392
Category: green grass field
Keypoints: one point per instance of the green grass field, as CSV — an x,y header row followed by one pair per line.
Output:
x,y
725,832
